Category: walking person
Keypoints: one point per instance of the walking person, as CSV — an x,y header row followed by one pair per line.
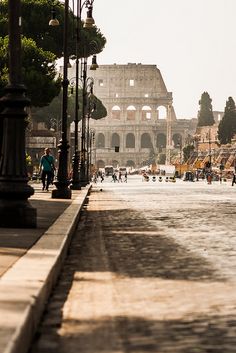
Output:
x,y
234,179
47,168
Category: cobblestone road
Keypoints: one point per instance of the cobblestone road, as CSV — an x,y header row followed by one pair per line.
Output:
x,y
152,268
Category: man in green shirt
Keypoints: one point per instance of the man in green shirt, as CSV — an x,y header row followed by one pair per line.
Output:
x,y
47,168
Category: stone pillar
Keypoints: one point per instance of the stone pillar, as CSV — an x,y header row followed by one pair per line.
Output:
x,y
168,134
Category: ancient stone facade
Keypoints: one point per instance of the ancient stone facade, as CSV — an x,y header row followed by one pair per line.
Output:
x,y
141,118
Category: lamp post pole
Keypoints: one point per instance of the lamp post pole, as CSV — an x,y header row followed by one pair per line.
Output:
x,y
83,128
78,161
62,190
15,209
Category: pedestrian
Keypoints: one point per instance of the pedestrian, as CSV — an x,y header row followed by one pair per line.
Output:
x,y
126,175
47,168
234,179
120,177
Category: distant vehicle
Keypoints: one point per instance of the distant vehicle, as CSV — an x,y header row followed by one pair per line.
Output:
x,y
188,176
109,170
122,170
168,170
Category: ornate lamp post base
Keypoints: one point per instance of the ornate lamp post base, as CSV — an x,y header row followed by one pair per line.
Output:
x,y
76,186
17,214
15,210
62,191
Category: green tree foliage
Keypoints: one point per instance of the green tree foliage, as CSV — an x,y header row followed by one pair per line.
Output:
x,y
38,71
205,117
227,126
51,114
36,15
187,152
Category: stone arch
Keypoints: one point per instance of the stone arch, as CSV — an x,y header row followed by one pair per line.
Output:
x,y
146,112
161,140
161,112
115,163
130,141
131,112
115,140
177,139
130,163
100,141
146,141
116,112
100,163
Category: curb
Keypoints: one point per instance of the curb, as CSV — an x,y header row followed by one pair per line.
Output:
x,y
26,287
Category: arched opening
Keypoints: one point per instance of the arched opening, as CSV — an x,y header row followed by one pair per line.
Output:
x,y
100,141
146,141
161,112
115,112
146,112
130,141
115,140
161,141
115,163
177,139
131,111
130,163
100,164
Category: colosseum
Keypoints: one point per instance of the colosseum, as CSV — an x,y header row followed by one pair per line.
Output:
x,y
141,124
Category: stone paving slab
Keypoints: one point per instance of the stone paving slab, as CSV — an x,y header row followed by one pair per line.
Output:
x,y
142,274
30,262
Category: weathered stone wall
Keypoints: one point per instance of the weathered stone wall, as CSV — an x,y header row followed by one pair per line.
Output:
x,y
133,95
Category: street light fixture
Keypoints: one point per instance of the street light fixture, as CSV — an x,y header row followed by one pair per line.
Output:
x,y
89,23
87,89
62,183
62,190
15,209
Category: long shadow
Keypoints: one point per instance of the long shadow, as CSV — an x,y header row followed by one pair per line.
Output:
x,y
134,334
135,248
15,242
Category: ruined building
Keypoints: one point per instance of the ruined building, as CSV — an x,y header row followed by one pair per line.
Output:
x,y
141,119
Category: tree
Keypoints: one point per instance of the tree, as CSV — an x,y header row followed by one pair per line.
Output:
x,y
35,18
205,117
227,126
187,152
38,71
51,114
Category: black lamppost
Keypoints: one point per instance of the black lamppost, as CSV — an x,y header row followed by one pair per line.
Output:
x,y
87,83
15,209
62,190
89,22
91,107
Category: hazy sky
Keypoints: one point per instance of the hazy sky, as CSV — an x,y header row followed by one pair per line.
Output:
x,y
192,42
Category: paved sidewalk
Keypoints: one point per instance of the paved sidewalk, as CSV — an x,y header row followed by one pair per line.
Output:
x,y
30,262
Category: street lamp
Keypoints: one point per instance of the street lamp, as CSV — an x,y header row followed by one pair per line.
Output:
x,y
88,23
91,106
15,209
87,85
62,190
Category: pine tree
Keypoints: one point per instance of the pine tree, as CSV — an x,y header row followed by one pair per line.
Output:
x,y
205,117
227,126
